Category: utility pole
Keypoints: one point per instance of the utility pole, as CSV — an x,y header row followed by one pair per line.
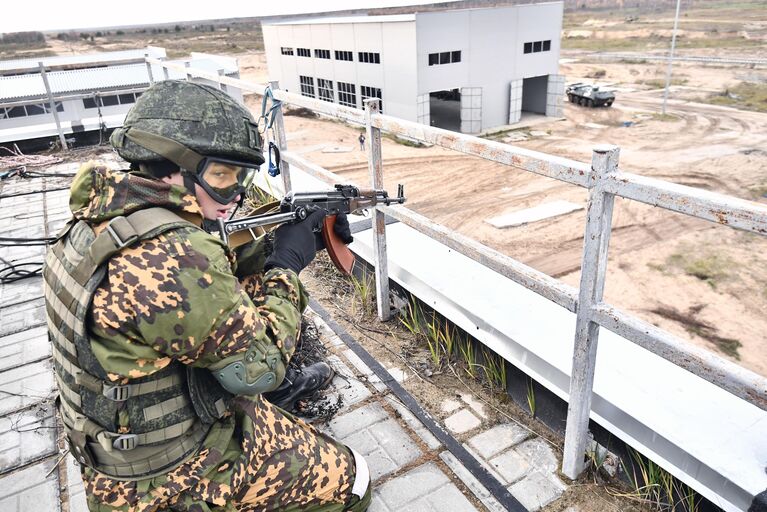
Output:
x,y
671,57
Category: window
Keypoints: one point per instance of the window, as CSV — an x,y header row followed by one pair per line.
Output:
x,y
286,51
322,54
444,57
371,92
369,57
110,101
325,89
344,55
307,86
35,110
28,110
537,46
346,94
59,107
303,52
127,98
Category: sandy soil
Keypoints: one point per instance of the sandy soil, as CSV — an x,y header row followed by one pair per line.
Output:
x,y
653,252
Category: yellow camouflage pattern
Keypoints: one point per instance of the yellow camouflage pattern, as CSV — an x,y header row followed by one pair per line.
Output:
x,y
175,298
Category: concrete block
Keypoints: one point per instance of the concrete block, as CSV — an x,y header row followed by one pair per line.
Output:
x,y
474,485
21,317
24,290
539,454
511,466
497,439
448,497
490,469
328,337
395,441
33,488
26,385
537,490
24,347
27,436
413,422
356,362
462,421
345,425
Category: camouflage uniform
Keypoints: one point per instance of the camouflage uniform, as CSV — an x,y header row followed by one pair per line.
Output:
x,y
175,297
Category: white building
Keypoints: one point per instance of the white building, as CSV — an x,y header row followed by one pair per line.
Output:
x,y
91,92
467,70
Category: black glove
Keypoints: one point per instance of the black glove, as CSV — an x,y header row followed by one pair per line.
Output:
x,y
342,230
294,244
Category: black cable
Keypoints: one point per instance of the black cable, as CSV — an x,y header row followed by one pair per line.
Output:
x,y
15,272
17,194
6,241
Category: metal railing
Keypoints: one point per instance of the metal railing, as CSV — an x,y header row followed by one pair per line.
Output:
x,y
605,181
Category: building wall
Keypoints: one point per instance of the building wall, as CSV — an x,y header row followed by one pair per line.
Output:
x,y
394,41
491,42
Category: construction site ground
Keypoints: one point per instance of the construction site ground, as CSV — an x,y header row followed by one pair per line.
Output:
x,y
701,281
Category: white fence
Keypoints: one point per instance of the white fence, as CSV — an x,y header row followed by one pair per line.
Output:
x,y
605,181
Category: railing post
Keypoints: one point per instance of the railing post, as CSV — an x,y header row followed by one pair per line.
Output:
x,y
221,72
375,165
52,104
282,142
165,72
148,68
593,270
189,77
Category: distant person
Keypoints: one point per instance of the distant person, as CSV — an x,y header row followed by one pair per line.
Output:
x,y
362,142
167,343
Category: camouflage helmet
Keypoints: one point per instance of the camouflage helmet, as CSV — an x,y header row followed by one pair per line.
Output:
x,y
196,116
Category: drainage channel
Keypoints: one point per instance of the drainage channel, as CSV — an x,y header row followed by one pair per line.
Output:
x,y
493,486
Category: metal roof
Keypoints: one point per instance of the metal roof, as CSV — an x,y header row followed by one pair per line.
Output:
x,y
30,86
346,19
82,60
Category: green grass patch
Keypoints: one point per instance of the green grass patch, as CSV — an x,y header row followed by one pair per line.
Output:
x,y
660,83
745,96
711,268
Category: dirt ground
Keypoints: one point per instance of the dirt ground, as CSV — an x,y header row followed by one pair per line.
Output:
x,y
703,282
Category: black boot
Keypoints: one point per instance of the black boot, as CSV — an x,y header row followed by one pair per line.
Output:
x,y
300,384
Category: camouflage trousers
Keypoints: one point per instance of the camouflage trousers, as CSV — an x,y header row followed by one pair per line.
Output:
x,y
260,459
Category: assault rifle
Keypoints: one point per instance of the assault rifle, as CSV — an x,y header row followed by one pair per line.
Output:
x,y
296,206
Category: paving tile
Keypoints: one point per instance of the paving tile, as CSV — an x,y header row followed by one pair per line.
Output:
x,y
474,485
462,421
537,490
26,385
477,406
490,469
328,336
540,454
30,489
449,405
347,424
75,487
27,436
498,438
414,423
346,384
510,465
24,347
425,488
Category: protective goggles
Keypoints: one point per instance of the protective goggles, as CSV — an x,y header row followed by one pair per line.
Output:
x,y
223,179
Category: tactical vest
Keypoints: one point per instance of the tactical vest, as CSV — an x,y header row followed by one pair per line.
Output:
x,y
132,430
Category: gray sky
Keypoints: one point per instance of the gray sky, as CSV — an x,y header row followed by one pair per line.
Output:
x,y
55,15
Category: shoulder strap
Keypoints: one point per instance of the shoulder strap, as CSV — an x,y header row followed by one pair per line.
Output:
x,y
122,232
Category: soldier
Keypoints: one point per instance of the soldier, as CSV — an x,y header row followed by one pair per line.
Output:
x,y
164,340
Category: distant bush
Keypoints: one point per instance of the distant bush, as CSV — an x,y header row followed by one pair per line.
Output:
x,y
22,37
120,33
